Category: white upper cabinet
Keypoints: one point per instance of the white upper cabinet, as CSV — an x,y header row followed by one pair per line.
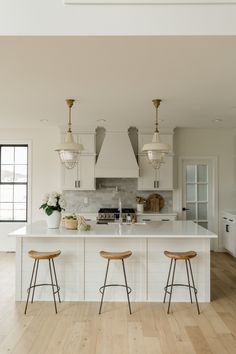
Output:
x,y
82,176
165,179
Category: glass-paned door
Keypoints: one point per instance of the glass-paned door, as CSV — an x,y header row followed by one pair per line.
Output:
x,y
196,191
197,187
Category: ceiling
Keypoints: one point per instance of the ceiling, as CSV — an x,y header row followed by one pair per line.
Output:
x,y
115,79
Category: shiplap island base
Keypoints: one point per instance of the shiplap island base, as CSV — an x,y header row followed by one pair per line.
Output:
x,y
81,270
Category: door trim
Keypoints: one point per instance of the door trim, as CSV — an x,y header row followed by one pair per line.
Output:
x,y
215,191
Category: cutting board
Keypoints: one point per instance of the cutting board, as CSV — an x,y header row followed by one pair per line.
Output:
x,y
155,202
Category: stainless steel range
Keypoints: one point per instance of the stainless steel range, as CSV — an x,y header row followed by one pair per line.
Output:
x,y
106,215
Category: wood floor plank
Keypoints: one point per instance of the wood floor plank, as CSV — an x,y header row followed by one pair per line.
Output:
x,y
77,328
198,340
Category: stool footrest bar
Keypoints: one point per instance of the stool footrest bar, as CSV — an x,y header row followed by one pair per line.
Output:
x,y
36,285
122,285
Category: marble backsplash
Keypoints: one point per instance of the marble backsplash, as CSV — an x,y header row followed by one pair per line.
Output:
x,y
108,191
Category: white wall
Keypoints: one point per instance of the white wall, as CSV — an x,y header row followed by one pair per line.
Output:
x,y
213,142
45,172
39,17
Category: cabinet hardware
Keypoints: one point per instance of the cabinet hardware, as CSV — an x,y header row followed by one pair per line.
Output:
x,y
231,220
75,184
185,209
165,219
224,218
78,184
227,228
146,219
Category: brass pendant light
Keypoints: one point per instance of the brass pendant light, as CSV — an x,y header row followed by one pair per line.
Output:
x,y
69,151
156,150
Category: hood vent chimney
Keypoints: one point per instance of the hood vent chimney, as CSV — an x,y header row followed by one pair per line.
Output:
x,y
116,158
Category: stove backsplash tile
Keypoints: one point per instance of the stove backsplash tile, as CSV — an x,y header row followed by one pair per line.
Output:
x,y
106,196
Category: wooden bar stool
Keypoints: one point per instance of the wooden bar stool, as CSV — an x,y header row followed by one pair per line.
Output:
x,y
115,256
37,256
183,256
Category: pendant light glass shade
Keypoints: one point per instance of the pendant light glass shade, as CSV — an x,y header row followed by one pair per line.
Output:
x,y
69,151
156,150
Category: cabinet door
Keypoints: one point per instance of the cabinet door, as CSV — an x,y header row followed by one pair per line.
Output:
x,y
229,236
146,181
86,173
69,178
82,176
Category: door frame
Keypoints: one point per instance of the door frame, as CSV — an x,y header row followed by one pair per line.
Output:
x,y
215,191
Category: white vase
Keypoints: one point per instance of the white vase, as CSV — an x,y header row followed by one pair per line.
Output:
x,y
53,220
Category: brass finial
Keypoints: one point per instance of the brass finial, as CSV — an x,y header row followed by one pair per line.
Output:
x,y
70,102
156,102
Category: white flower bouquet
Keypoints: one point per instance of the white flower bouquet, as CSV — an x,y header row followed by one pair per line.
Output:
x,y
53,201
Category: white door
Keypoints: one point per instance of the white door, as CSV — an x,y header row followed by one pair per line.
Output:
x,y
199,192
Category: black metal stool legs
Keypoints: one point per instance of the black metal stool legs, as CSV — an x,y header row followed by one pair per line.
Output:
x,y
171,289
104,287
35,278
169,286
167,283
195,290
126,285
55,275
189,286
33,285
31,281
53,292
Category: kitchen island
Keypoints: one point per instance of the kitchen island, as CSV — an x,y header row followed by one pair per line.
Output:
x,y
81,270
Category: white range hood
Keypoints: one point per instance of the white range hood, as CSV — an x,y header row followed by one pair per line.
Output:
x,y
116,158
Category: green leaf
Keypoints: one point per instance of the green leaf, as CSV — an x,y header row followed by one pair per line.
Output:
x,y
49,211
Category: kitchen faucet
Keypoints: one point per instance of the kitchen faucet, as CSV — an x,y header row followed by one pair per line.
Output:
x,y
120,211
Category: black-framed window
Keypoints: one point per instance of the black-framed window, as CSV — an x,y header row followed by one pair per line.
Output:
x,y
13,182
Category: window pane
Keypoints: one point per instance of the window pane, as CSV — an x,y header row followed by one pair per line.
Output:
x,y
20,173
7,156
21,155
7,173
6,211
13,182
20,193
191,213
19,211
202,211
202,173
202,192
6,193
190,173
191,192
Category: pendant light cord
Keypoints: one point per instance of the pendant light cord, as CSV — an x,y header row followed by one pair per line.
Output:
x,y
70,103
157,130
69,123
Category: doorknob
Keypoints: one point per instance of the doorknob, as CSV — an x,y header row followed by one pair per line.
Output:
x,y
185,209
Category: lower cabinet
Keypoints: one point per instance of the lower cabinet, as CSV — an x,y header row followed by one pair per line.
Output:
x,y
228,227
156,217
81,177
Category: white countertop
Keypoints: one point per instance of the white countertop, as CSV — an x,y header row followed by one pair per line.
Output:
x,y
153,229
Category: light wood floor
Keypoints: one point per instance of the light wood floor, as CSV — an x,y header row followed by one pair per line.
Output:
x,y
78,329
